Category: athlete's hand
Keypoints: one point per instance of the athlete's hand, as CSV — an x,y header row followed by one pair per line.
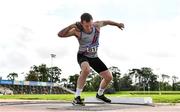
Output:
x,y
120,25
79,26
75,26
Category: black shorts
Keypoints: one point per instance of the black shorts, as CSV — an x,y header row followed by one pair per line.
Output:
x,y
95,63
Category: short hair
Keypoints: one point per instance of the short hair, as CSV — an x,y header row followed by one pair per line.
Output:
x,y
86,17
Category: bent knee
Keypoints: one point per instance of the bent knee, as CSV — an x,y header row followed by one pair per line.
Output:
x,y
109,77
106,75
86,71
85,68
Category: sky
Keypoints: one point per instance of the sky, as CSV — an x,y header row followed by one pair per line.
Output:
x,y
28,34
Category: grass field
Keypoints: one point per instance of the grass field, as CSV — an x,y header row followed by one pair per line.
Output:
x,y
164,97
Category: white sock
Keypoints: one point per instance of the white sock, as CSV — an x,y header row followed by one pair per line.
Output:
x,y
100,91
78,92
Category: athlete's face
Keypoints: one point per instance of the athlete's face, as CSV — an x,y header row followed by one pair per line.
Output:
x,y
87,26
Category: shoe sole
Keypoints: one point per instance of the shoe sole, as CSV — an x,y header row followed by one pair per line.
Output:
x,y
102,100
75,104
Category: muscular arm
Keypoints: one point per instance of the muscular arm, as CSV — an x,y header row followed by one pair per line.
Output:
x,y
68,31
100,24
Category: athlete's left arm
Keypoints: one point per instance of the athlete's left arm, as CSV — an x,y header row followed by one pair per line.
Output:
x,y
100,24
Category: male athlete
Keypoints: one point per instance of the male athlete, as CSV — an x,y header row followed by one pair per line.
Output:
x,y
87,33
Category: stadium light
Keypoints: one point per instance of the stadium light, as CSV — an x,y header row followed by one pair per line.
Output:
x,y
52,56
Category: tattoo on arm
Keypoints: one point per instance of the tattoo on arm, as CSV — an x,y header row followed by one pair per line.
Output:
x,y
104,23
99,24
110,23
68,31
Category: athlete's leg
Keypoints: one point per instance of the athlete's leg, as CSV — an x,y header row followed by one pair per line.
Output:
x,y
103,71
85,70
107,77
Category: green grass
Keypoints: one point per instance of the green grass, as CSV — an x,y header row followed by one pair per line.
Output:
x,y
163,98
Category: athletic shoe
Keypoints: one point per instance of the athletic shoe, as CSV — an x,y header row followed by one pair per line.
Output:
x,y
78,101
103,98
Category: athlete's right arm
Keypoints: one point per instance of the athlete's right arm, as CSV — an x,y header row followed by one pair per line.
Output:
x,y
68,31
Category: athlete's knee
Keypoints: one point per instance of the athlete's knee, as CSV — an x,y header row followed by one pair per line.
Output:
x,y
107,75
85,69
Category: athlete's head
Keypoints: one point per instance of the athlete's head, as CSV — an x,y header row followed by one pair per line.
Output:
x,y
87,22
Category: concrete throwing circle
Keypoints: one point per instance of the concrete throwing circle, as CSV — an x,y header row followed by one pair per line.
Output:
x,y
91,107
68,106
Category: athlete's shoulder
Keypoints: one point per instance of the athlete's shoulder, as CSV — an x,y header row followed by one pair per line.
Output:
x,y
99,24
96,24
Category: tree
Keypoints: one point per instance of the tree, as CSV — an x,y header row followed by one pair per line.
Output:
x,y
144,79
55,73
126,83
37,73
31,76
164,77
178,86
136,73
12,76
73,81
174,82
43,73
153,83
149,79
165,82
